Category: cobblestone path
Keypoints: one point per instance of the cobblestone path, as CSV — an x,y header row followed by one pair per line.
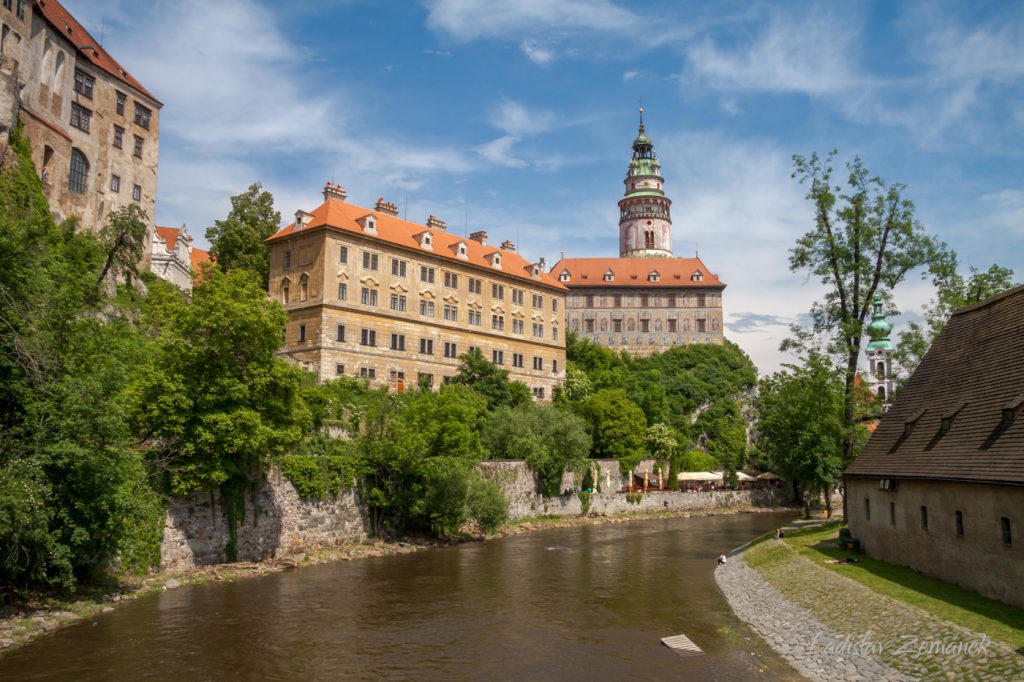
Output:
x,y
830,627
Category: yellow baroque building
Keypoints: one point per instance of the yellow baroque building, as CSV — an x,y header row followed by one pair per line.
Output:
x,y
371,295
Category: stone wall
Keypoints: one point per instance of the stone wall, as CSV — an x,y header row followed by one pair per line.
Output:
x,y
520,487
979,559
276,523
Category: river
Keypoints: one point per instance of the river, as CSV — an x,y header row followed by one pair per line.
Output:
x,y
589,603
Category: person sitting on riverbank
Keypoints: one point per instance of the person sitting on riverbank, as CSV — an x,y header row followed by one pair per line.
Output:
x,y
721,559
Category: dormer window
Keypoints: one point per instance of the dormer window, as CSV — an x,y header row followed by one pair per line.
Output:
x,y
368,223
460,251
1012,409
564,276
609,276
908,426
946,423
697,276
494,259
535,271
426,240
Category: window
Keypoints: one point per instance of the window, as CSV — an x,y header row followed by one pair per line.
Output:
x,y
475,317
645,301
589,301
137,151
341,333
342,291
538,392
554,305
588,325
671,301
645,325
498,291
538,362
427,346
498,322
475,285
370,261
867,509
398,342
343,254
517,359
554,333
518,296
115,183
518,326
538,330
451,350
426,274
924,517
892,513
702,325
1007,536
369,296
303,287
959,524
367,337
498,357
398,267
617,326
84,83
284,292
120,103
339,370
451,313
287,259
21,9
617,300
78,178
427,308
702,300
136,192
538,301
672,324
554,365
80,117
142,115
451,280
398,303
424,381
118,137
302,333
367,373
475,349
648,239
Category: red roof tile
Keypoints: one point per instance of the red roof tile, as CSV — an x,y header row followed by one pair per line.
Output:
x,y
340,215
671,272
68,26
198,257
169,235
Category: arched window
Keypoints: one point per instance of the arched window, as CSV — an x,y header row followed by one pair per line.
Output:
x,y
44,66
58,72
78,178
880,370
303,287
649,239
881,392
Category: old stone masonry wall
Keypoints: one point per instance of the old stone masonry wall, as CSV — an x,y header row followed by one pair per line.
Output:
x,y
276,523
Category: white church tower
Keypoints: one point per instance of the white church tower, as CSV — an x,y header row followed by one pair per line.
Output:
x,y
879,352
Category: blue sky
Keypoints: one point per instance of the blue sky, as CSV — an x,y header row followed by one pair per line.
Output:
x,y
516,118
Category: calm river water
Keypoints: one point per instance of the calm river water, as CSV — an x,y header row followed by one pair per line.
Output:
x,y
587,603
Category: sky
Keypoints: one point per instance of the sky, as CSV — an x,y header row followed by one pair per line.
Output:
x,y
517,118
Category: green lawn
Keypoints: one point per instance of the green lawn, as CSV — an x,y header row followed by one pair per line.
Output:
x,y
968,609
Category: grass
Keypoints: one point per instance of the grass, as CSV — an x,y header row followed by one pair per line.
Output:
x,y
947,601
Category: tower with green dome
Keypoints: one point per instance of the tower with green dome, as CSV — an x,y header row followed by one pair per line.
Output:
x,y
645,221
879,352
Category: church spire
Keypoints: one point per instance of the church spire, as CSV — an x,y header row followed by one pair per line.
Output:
x,y
645,221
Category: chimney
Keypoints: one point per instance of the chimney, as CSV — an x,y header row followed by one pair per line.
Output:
x,y
332,191
302,219
508,245
479,236
433,221
386,207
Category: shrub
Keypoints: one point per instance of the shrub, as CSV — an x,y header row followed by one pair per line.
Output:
x,y
486,504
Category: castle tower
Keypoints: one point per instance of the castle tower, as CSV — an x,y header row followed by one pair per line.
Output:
x,y
645,223
879,352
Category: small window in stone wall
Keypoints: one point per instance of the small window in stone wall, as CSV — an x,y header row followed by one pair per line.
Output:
x,y
959,524
924,517
1007,536
867,509
892,513
339,369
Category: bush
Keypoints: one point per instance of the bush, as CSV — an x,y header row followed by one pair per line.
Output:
x,y
584,502
327,467
634,498
486,504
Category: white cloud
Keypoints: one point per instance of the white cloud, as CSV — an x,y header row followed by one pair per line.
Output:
x,y
467,20
516,119
536,53
629,75
499,151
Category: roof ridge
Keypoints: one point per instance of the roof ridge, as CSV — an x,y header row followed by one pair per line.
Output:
x,y
989,301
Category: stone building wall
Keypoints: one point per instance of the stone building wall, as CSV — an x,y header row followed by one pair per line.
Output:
x,y
978,559
276,523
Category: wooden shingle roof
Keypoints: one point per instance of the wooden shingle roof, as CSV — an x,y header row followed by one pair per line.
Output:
x,y
950,421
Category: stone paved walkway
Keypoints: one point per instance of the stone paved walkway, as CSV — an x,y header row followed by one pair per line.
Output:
x,y
830,627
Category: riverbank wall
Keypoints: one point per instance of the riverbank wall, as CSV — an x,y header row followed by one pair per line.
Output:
x,y
277,522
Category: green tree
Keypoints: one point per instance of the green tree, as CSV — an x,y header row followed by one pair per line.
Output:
x,y
490,381
551,440
123,237
237,242
865,240
618,427
953,292
801,427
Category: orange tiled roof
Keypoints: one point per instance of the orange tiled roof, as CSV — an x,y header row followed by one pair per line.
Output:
x,y
198,257
340,215
169,235
672,272
68,26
